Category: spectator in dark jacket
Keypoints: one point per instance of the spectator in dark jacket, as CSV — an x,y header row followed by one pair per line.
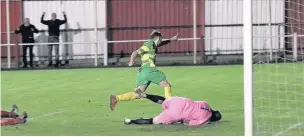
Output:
x,y
27,31
53,26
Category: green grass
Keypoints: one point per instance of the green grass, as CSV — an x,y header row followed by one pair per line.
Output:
x,y
75,102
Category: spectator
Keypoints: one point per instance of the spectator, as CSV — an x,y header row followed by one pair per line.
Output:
x,y
27,31
53,26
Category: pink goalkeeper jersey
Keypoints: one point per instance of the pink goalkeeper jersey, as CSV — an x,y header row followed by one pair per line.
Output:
x,y
191,112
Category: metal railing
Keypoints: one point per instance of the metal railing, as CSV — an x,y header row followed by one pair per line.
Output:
x,y
105,46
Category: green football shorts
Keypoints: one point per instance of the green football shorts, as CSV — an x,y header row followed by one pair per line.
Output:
x,y
149,74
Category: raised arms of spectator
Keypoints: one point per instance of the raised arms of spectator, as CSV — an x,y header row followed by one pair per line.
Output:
x,y
65,19
45,22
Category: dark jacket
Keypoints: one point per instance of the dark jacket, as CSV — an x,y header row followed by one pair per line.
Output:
x,y
27,32
53,25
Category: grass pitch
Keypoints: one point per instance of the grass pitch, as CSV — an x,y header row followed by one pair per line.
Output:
x,y
76,102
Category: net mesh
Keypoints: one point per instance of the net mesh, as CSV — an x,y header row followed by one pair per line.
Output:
x,y
279,70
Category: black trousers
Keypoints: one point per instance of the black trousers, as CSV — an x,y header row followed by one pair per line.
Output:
x,y
24,49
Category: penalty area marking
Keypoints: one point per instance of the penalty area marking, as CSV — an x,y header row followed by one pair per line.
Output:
x,y
289,128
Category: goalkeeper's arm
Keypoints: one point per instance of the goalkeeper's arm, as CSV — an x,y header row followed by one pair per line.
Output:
x,y
155,98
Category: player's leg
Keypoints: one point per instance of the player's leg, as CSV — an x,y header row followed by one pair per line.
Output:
x,y
158,77
136,94
141,86
6,114
12,114
10,121
167,88
14,121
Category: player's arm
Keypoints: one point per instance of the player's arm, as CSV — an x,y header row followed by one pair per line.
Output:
x,y
166,42
140,121
133,56
160,119
163,43
135,53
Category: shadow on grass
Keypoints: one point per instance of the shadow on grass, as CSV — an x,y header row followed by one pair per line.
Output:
x,y
176,127
233,110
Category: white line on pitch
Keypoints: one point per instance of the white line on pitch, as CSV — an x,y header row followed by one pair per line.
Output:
x,y
289,128
47,114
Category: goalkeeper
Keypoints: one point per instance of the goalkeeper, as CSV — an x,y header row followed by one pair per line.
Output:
x,y
147,73
180,109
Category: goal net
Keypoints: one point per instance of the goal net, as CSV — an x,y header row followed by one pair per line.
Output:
x,y
278,73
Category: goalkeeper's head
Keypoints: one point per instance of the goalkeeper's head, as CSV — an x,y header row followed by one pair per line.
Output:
x,y
216,116
156,36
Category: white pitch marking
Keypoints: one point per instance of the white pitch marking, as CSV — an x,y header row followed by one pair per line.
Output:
x,y
47,114
289,128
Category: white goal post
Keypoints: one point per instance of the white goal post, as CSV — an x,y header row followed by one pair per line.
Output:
x,y
248,78
273,80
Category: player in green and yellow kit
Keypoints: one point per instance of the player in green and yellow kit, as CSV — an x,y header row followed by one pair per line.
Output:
x,y
147,73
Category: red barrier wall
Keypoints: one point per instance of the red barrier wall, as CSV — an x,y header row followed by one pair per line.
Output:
x,y
15,21
135,20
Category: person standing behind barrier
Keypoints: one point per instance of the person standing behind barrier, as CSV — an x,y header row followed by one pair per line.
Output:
x,y
27,31
53,29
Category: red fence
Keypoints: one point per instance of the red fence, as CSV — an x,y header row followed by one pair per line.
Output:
x,y
134,20
15,8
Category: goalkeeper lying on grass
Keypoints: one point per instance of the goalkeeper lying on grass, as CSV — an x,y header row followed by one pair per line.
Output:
x,y
179,109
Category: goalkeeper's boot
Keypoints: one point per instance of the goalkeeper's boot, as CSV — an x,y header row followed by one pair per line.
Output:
x,y
127,121
113,102
23,117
